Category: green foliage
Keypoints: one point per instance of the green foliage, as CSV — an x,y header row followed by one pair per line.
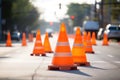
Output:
x,y
79,11
24,14
21,8
115,8
21,13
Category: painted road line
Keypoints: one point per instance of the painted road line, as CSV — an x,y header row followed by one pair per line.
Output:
x,y
117,61
98,51
98,61
110,56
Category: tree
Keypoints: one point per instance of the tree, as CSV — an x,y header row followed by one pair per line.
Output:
x,y
115,10
79,11
111,11
19,12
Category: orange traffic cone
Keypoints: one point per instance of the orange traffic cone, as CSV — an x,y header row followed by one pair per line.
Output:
x,y
93,40
105,40
24,43
89,44
30,36
85,39
62,59
8,42
47,46
38,47
78,50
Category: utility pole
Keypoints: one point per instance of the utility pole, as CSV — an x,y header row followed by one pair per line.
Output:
x,y
0,20
95,9
102,13
60,6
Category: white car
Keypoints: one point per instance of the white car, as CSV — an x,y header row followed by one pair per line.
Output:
x,y
113,31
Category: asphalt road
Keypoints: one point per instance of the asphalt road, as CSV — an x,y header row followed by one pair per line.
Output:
x,y
17,64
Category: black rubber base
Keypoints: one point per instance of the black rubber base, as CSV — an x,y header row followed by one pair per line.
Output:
x,y
52,67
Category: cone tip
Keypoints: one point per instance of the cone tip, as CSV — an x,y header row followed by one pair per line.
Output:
x,y
78,31
62,27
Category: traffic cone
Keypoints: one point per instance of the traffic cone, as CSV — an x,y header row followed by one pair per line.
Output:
x,y
93,40
89,48
24,43
38,47
85,39
30,36
62,59
8,42
78,50
47,46
105,40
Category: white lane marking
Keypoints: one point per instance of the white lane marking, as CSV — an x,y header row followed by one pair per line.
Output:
x,y
7,55
117,61
110,56
98,61
97,51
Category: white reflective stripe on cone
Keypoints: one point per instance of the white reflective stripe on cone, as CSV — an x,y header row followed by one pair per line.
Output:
x,y
62,44
88,46
62,54
38,47
38,41
88,40
78,45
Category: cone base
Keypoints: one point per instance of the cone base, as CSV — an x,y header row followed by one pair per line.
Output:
x,y
82,64
24,45
105,45
8,46
37,54
52,67
90,52
49,52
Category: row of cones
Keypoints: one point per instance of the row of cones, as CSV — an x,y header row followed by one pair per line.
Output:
x,y
40,49
38,44
24,42
64,58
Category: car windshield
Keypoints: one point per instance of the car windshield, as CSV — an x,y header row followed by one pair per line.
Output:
x,y
114,28
15,33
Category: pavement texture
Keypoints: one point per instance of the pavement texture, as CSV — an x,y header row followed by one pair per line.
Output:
x,y
17,64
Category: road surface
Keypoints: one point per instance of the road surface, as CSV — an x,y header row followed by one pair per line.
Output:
x,y
17,64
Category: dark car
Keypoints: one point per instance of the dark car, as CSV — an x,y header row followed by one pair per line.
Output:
x,y
16,36
50,32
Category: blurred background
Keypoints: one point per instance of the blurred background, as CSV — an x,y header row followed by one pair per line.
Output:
x,y
27,16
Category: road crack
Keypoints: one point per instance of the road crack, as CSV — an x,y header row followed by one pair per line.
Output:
x,y
35,72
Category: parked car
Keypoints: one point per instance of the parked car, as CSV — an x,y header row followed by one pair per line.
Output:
x,y
16,36
91,26
113,31
34,33
100,34
50,32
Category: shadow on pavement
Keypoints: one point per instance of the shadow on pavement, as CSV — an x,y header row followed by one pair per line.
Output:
x,y
77,72
93,67
3,57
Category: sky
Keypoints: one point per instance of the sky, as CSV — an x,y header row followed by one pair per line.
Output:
x,y
50,8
